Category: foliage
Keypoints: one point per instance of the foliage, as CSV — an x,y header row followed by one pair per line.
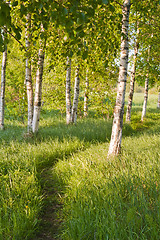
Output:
x,y
15,99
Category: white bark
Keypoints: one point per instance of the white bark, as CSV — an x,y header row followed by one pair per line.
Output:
x,y
68,92
145,98
38,92
86,95
133,72
28,79
2,96
76,96
146,89
116,136
158,104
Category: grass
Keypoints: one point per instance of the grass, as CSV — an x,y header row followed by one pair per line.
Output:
x,y
114,198
23,161
101,198
20,199
106,199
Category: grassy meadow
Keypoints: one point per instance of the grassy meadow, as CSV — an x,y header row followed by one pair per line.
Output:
x,y
99,198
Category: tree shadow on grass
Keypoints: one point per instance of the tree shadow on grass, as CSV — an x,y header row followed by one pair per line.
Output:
x,y
99,129
12,133
90,129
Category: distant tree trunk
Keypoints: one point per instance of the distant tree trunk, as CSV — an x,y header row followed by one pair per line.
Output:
x,y
116,136
86,95
38,91
145,98
76,96
3,80
28,79
146,88
68,92
133,72
158,104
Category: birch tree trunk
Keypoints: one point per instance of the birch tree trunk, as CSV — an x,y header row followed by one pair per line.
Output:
x,y
68,92
2,96
116,136
38,91
146,89
145,98
76,96
158,104
28,79
133,72
86,96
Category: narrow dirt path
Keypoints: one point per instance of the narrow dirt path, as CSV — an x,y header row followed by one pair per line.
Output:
x,y
48,229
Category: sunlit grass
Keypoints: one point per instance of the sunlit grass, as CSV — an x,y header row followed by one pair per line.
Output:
x,y
112,198
102,198
138,99
116,198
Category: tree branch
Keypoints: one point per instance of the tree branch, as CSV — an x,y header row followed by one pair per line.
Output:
x,y
118,3
15,38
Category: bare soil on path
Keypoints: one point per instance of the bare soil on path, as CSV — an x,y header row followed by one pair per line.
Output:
x,y
50,223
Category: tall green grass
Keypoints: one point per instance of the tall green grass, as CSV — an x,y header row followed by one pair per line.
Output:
x,y
138,99
102,199
23,158
20,199
112,198
116,198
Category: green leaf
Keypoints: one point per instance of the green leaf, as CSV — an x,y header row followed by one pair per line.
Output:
x,y
81,34
22,9
112,8
105,1
64,11
18,35
2,18
15,3
40,6
85,55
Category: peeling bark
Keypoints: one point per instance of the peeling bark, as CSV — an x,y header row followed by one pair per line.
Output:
x,y
38,91
116,136
68,92
76,96
28,79
86,97
133,72
3,80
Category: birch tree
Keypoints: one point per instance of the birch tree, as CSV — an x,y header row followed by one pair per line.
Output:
x,y
158,104
68,92
28,79
133,72
3,80
116,136
86,95
38,91
76,96
146,88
